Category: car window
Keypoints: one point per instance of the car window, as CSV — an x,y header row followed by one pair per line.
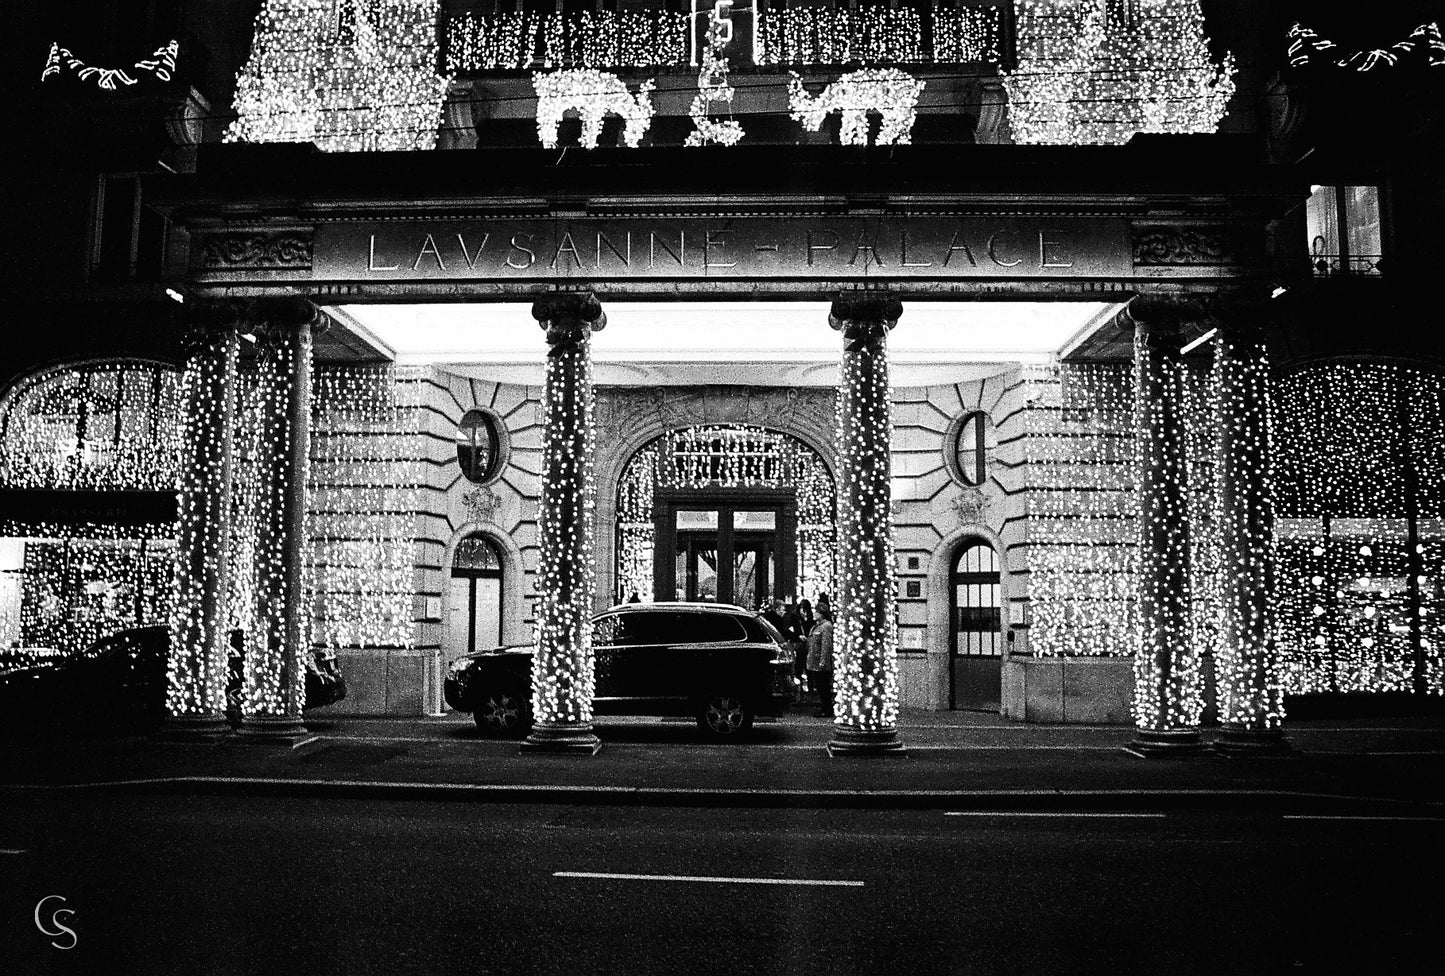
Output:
x,y
609,631
697,628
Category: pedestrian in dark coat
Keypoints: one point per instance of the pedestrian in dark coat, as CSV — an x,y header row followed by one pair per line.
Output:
x,y
820,661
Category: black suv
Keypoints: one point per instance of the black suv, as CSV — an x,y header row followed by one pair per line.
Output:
x,y
721,664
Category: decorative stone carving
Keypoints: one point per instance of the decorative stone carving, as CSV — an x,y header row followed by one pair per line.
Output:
x,y
969,506
1167,246
481,504
250,250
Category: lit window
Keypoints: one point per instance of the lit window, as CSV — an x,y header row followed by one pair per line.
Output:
x,y
1344,229
479,446
970,449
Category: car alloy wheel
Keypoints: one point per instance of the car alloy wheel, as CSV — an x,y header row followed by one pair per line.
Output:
x,y
724,715
501,713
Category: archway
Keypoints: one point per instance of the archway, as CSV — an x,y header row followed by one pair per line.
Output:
x,y
475,597
728,512
976,643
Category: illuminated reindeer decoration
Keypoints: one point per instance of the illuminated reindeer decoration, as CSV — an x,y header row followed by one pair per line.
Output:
x,y
591,94
891,93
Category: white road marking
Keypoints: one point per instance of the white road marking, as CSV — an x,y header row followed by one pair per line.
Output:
x,y
11,850
609,876
1374,819
1044,813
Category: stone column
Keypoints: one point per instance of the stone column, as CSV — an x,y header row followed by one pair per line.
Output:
x,y
562,665
1167,682
865,635
275,673
196,666
1251,699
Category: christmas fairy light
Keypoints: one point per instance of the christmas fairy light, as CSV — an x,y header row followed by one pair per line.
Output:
x,y
161,65
1305,44
562,662
1250,694
712,86
725,456
592,95
103,426
890,93
1082,510
1168,698
197,665
866,635
1083,78
349,76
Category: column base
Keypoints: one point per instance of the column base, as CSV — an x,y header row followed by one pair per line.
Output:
x,y
565,738
283,729
1153,744
864,742
1235,740
195,728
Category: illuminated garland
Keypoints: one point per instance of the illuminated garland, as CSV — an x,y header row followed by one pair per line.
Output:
x,y
161,65
197,665
355,77
1168,696
891,93
592,95
968,34
1081,80
824,35
712,86
725,456
589,39
1304,44
865,647
1250,695
563,679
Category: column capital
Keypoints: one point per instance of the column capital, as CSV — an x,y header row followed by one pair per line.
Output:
x,y
286,314
566,316
864,319
1162,315
202,322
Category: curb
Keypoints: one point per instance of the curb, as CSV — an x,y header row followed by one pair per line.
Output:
x,y
663,796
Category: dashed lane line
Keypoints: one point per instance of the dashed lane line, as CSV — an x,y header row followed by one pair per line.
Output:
x,y
617,876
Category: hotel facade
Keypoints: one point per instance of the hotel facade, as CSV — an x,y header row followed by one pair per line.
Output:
x,y
1060,346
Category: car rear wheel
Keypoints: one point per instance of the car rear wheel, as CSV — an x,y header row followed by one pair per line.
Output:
x,y
724,717
504,712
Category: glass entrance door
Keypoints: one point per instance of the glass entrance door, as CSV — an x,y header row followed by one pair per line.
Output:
x,y
730,553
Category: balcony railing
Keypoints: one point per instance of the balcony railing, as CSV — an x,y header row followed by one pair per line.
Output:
x,y
1329,265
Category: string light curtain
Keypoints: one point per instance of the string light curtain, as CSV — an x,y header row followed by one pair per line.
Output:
x,y
1099,71
725,456
348,75
1360,560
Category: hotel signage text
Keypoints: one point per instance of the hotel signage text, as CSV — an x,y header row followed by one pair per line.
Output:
x,y
718,249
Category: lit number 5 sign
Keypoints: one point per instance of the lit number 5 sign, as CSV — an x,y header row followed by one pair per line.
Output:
x,y
739,39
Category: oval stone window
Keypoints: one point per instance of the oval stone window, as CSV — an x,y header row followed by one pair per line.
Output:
x,y
970,450
479,446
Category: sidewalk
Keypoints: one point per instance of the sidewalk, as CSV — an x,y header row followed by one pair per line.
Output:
x,y
953,760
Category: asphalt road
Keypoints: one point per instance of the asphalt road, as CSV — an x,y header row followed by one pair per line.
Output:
x,y
164,885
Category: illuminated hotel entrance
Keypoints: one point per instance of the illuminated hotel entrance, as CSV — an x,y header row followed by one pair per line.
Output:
x,y
726,549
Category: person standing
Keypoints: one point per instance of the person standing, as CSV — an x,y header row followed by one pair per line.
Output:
x,y
803,623
820,661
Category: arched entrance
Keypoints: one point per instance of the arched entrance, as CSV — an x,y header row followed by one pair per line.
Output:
x,y
975,627
475,597
731,513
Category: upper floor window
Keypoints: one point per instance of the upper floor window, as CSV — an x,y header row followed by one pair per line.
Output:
x,y
479,446
970,449
1344,231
